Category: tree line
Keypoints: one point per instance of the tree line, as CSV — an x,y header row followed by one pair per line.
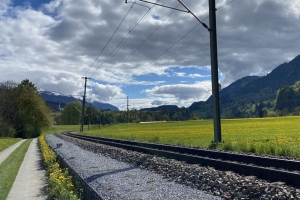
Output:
x,y
288,99
287,102
24,113
71,114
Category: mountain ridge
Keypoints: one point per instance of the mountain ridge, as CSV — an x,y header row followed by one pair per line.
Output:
x,y
56,100
251,89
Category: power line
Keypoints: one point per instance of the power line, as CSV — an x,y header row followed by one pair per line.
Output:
x,y
180,39
149,35
201,22
128,35
225,4
124,39
135,27
137,4
167,49
162,6
109,39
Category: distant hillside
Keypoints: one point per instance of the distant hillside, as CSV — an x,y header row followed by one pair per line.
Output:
x,y
288,98
251,90
54,99
162,108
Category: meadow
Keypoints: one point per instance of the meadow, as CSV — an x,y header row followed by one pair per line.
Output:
x,y
278,136
6,142
62,128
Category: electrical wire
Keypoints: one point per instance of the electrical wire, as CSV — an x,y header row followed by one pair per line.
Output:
x,y
124,39
109,39
225,4
149,35
168,48
128,35
180,39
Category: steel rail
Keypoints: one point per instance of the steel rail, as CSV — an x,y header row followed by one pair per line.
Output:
x,y
238,163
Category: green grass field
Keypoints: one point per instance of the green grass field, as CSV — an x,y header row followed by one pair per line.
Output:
x,y
275,136
6,142
61,128
10,167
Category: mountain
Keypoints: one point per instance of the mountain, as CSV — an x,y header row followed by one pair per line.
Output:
x,y
162,108
251,90
54,99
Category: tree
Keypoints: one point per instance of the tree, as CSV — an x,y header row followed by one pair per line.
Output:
x,y
285,112
288,97
23,112
264,112
108,117
165,117
193,117
71,113
8,108
296,111
91,115
145,116
33,114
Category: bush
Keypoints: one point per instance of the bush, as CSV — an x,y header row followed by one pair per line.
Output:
x,y
60,185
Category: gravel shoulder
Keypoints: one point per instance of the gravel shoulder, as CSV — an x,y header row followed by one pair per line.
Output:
x,y
113,179
31,180
6,152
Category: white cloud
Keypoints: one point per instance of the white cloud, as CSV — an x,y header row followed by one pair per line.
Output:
x,y
105,93
64,83
197,76
180,74
52,6
139,103
159,102
54,46
183,92
183,74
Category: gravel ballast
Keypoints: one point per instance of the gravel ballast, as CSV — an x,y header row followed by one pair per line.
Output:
x,y
226,184
113,179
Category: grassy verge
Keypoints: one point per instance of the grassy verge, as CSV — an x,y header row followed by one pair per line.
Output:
x,y
278,136
10,167
62,128
6,142
60,184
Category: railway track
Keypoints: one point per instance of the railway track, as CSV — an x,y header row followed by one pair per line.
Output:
x,y
272,169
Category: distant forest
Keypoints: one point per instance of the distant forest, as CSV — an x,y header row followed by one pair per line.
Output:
x,y
71,115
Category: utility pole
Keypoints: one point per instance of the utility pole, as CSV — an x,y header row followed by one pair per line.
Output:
x,y
214,60
89,116
127,111
99,118
83,104
214,70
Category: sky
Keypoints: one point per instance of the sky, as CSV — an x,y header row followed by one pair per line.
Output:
x,y
152,54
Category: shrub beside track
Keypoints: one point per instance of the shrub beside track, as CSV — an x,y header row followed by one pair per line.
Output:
x,y
60,185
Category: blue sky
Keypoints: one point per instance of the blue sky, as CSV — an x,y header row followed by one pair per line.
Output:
x,y
156,57
35,4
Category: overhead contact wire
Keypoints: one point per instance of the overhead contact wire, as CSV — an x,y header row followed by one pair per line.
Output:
x,y
110,39
181,38
124,40
149,35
